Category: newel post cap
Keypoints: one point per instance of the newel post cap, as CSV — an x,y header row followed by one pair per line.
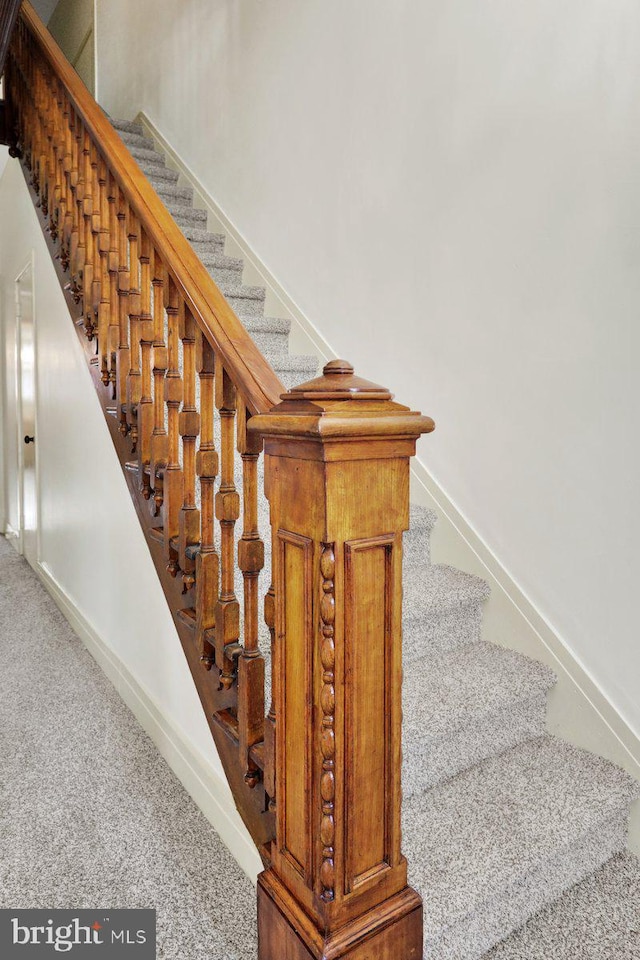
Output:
x,y
340,405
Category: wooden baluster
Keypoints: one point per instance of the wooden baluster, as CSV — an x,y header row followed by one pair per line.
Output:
x,y
123,360
74,175
145,405
87,213
104,244
96,225
135,308
51,161
78,259
207,562
113,333
189,423
173,394
159,437
57,145
227,618
337,456
250,562
67,167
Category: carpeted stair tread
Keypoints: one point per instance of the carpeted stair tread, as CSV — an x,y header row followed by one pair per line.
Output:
x,y
298,363
185,213
598,919
496,841
423,517
171,191
151,157
199,238
127,126
268,325
137,139
441,586
467,704
448,690
155,171
214,257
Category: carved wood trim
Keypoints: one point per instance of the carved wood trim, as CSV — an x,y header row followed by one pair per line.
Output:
x,y
327,733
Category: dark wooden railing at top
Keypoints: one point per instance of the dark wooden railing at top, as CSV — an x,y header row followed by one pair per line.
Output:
x,y
327,755
8,16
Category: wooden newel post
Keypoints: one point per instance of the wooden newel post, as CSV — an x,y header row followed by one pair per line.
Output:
x,y
337,455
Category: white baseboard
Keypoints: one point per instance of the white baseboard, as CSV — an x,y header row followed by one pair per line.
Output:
x,y
579,710
209,791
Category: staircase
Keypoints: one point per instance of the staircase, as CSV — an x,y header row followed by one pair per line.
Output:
x,y
499,819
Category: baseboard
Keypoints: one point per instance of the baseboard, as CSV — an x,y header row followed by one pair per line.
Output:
x,y
209,791
579,710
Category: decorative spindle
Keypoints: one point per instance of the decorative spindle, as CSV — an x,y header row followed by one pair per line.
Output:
x,y
227,616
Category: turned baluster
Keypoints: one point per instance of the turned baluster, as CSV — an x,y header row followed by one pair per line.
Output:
x,y
50,146
87,213
95,239
159,436
207,562
74,176
173,394
113,332
78,258
57,144
135,308
189,425
104,305
145,404
67,193
250,561
123,358
227,613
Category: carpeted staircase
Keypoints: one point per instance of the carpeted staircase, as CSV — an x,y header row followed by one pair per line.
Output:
x,y
500,819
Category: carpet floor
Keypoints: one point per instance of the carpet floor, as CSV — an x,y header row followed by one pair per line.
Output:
x,y
90,814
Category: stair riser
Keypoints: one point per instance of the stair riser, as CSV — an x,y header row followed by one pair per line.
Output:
x,y
128,126
138,140
416,547
441,631
226,276
187,216
270,342
151,157
471,939
245,307
155,172
213,245
169,192
427,764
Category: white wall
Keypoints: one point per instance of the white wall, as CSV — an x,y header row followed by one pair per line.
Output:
x,y
91,545
450,192
72,25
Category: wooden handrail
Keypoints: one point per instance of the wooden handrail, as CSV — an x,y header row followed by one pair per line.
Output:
x,y
251,372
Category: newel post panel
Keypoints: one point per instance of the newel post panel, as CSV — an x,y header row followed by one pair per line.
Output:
x,y
337,453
